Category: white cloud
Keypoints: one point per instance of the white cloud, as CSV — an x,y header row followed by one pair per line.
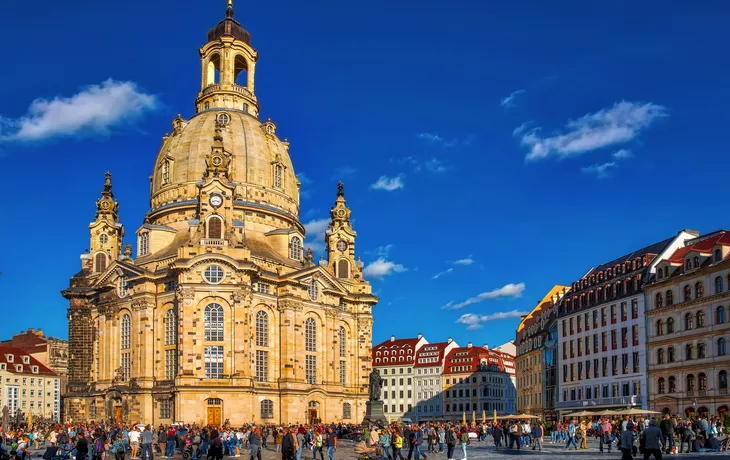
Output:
x,y
315,234
622,154
602,171
434,138
304,179
94,110
467,261
381,267
388,184
473,321
508,290
616,125
440,274
382,251
509,101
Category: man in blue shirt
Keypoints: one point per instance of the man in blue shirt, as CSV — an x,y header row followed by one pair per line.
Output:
x,y
571,436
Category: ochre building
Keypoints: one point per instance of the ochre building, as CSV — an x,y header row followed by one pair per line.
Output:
x,y
222,314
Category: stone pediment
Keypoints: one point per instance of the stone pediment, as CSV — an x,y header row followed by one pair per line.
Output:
x,y
209,258
324,277
114,271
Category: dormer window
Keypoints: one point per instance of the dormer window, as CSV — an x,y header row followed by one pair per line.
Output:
x,y
696,262
717,256
18,368
34,369
660,273
687,265
3,366
10,358
270,129
26,359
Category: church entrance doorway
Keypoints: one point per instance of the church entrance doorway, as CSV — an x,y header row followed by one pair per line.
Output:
x,y
118,415
312,415
214,411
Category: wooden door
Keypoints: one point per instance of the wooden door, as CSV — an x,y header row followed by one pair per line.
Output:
x,y
214,416
118,414
312,416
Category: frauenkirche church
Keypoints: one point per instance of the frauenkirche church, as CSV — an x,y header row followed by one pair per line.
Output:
x,y
222,315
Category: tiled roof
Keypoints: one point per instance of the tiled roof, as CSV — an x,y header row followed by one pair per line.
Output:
x,y
704,244
543,304
469,358
428,350
26,368
395,345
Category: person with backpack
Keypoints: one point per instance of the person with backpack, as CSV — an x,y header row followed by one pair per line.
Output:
x,y
288,444
98,445
464,440
215,451
497,435
119,448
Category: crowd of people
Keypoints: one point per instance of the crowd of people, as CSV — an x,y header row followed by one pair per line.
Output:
x,y
630,435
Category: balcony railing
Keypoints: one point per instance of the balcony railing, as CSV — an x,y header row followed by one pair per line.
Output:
x,y
691,393
217,87
215,242
722,391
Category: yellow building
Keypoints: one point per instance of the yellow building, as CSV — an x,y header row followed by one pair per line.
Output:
x,y
222,314
531,336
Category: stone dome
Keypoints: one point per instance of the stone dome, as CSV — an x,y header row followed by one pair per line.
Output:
x,y
254,151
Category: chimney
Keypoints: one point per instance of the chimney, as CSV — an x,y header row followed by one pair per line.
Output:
x,y
392,338
420,336
468,345
486,346
449,340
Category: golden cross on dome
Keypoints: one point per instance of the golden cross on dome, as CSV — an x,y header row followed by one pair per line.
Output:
x,y
230,3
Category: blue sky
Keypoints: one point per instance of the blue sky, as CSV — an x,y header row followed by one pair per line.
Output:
x,y
489,149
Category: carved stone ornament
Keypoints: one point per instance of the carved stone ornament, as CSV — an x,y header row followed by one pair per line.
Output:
x,y
185,292
140,305
244,294
289,305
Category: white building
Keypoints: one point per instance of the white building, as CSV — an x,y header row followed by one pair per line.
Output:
x,y
601,332
396,359
429,367
28,386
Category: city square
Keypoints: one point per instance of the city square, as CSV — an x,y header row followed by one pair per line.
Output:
x,y
221,288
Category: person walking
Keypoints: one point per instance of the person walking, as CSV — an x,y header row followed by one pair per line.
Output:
x,y
604,434
626,442
653,437
317,441
146,439
161,440
288,444
254,444
464,440
450,442
497,435
571,436
667,427
536,435
301,441
331,443
397,444
119,448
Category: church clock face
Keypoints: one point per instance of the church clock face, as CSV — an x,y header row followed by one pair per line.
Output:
x,y
105,205
216,200
341,213
342,245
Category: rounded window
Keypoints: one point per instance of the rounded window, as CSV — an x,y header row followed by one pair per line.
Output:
x,y
103,238
223,118
213,274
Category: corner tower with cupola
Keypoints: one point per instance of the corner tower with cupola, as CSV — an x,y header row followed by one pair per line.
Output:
x,y
223,313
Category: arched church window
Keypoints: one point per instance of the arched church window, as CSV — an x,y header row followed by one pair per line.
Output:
x,y
170,327
215,228
343,269
144,244
295,250
343,342
126,331
277,176
100,262
214,323
262,329
313,290
166,172
310,335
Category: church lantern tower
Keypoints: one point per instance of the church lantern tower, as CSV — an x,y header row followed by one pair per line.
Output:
x,y
228,64
340,240
105,231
